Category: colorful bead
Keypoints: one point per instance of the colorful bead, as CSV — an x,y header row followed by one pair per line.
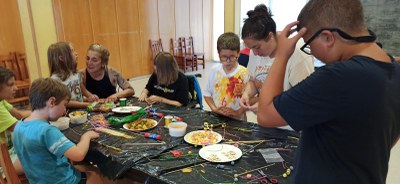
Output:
x,y
235,179
291,168
189,152
248,176
235,175
232,163
284,175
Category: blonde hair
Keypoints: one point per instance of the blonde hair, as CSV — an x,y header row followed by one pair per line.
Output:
x,y
60,59
104,53
167,69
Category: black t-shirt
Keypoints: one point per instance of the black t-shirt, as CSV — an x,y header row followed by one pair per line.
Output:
x,y
349,115
102,88
178,91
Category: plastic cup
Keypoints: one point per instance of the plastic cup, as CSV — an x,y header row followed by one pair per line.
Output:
x,y
122,102
168,120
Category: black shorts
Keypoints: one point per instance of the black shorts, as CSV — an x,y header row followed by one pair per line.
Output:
x,y
83,178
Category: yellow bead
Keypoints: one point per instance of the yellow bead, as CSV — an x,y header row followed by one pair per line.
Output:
x,y
235,175
288,170
248,176
284,175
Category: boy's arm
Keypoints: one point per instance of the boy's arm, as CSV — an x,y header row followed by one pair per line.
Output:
x,y
211,103
76,104
77,153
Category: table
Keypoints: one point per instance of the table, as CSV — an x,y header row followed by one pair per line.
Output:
x,y
155,164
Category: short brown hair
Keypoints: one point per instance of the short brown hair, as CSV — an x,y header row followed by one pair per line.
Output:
x,y
167,69
228,41
5,75
103,51
346,15
64,68
44,88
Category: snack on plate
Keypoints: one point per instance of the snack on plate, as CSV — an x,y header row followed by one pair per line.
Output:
x,y
100,107
203,137
78,117
141,124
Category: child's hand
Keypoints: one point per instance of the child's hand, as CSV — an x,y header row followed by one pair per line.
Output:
x,y
90,135
254,108
153,99
245,101
227,111
112,98
142,97
92,98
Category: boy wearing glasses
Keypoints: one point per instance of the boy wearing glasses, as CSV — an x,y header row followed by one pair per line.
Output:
x,y
348,110
226,81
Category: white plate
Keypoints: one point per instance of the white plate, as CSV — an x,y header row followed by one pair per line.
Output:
x,y
126,109
220,153
202,137
152,120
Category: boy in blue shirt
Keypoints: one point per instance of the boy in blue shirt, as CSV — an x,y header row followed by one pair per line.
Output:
x,y
42,149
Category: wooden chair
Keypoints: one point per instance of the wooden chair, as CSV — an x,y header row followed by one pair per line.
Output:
x,y
156,47
17,63
188,51
200,56
6,164
177,50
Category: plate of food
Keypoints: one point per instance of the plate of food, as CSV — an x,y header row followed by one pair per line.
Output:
x,y
203,137
126,109
100,107
220,153
141,124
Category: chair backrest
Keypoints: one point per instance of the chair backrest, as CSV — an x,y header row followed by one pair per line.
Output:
x,y
187,45
176,47
17,63
156,47
7,166
22,66
10,62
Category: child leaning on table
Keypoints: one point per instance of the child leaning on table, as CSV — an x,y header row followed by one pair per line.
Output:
x,y
42,149
9,114
226,81
62,60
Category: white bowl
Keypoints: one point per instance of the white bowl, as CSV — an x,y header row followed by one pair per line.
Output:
x,y
177,129
62,123
78,117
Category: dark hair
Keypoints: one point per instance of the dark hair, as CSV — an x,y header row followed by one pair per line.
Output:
x,y
229,41
167,68
44,88
5,75
103,51
345,15
259,24
63,68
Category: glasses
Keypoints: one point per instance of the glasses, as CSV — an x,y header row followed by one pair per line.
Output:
x,y
231,58
306,47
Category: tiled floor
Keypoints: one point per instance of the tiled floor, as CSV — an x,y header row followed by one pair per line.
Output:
x,y
394,163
